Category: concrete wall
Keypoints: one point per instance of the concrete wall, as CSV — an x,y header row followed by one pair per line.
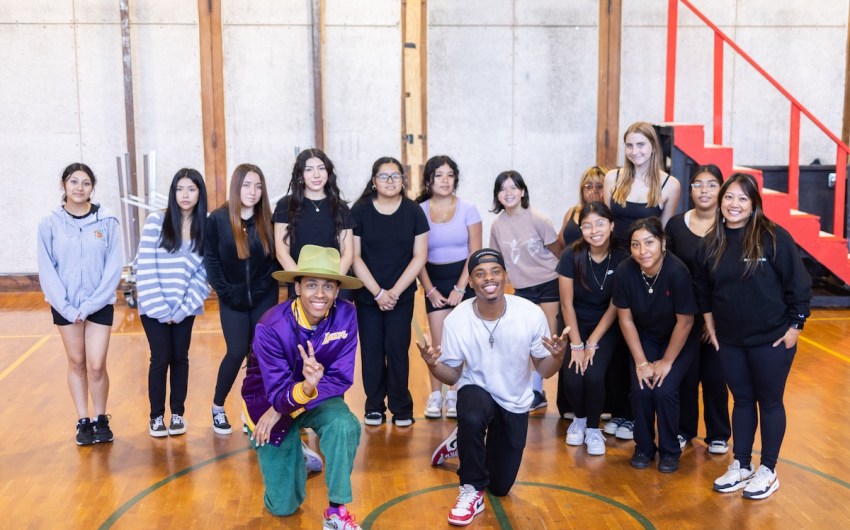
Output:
x,y
511,85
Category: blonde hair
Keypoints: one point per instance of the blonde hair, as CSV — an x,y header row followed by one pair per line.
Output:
x,y
592,173
626,176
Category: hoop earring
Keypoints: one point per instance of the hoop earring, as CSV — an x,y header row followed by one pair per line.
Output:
x,y
373,187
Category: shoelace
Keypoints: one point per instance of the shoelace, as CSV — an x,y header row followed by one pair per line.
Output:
x,y
466,498
594,436
220,417
157,422
176,418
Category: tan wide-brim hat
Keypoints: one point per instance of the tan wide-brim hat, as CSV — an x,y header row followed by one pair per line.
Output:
x,y
318,262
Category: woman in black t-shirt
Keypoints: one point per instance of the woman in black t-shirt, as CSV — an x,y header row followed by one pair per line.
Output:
x,y
313,213
390,248
655,303
586,283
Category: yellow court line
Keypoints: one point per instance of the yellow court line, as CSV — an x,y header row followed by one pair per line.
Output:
x,y
23,357
21,336
827,319
136,333
824,348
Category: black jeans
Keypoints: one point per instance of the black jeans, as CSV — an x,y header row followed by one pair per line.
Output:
x,y
238,328
169,345
661,402
757,375
385,358
494,463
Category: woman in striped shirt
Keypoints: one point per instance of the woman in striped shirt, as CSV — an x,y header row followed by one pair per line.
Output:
x,y
172,286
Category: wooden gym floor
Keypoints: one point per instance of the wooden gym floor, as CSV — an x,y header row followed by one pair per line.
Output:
x,y
206,480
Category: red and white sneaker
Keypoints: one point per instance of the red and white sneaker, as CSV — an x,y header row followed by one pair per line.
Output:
x,y
470,503
339,519
446,450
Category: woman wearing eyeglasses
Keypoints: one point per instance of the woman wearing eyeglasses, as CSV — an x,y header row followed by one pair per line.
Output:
x,y
640,188
684,234
527,240
586,284
390,248
590,189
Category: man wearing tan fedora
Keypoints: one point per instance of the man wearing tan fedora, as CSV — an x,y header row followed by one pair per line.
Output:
x,y
301,365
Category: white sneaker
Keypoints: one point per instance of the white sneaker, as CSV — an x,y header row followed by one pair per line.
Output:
x,y
451,404
469,503
595,442
575,433
434,406
612,425
718,447
605,416
682,441
311,459
735,478
762,485
626,430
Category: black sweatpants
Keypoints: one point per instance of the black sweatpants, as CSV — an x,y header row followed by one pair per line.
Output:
x,y
238,328
384,356
169,345
757,375
490,441
587,392
708,370
661,402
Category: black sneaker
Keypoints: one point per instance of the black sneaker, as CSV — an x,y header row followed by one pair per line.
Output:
x,y
157,428
641,460
102,432
85,432
177,425
220,423
539,401
374,418
668,464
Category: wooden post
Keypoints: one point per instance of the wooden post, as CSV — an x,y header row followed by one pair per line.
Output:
x,y
414,90
212,100
608,99
318,33
130,123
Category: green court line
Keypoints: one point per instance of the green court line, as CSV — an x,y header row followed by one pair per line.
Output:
x,y
124,508
499,512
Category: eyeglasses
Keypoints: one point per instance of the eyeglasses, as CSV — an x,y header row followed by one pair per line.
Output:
x,y
587,227
594,186
383,177
700,185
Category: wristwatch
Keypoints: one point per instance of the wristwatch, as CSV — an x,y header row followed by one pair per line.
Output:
x,y
797,325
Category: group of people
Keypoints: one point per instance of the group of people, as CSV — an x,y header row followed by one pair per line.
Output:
x,y
642,333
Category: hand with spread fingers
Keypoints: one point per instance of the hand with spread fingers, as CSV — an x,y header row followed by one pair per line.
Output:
x,y
429,353
263,428
312,370
557,345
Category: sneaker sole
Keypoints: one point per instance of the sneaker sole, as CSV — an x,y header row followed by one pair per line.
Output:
x,y
595,452
574,442
83,444
718,450
451,415
104,441
758,496
433,415
157,434
629,436
176,432
373,423
403,423
610,430
219,430
732,488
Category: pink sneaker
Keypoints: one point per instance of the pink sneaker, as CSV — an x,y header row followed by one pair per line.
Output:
x,y
339,519
447,449
470,503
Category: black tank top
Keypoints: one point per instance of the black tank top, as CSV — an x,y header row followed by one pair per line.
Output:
x,y
624,216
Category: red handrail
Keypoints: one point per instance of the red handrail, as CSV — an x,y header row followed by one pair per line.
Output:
x,y
842,150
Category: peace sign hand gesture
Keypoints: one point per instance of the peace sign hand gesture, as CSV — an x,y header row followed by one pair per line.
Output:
x,y
312,370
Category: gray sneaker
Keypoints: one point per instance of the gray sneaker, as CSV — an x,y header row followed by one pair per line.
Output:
x,y
157,427
177,425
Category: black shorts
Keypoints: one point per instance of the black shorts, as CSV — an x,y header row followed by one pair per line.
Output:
x,y
102,316
444,277
541,293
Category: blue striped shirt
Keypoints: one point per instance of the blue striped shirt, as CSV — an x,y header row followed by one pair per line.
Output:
x,y
170,285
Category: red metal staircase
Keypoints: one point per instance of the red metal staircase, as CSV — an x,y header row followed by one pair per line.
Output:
x,y
829,249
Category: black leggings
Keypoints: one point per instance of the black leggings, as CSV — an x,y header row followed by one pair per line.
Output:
x,y
238,329
587,392
490,441
757,375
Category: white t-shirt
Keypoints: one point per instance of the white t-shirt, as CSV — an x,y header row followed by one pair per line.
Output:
x,y
505,369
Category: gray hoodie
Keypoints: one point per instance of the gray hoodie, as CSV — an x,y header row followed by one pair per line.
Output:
x,y
79,262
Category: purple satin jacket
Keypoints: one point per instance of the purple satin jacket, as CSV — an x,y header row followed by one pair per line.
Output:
x,y
275,366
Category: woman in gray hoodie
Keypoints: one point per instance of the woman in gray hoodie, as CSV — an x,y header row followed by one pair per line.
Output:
x,y
79,267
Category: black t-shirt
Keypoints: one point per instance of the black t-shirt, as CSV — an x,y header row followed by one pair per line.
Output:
x,y
591,304
681,241
386,243
654,314
314,228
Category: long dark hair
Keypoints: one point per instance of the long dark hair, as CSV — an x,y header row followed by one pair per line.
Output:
x,y
652,225
581,248
296,192
520,184
73,168
711,169
369,192
431,166
758,226
262,213
172,234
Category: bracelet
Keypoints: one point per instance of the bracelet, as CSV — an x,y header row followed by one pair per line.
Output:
x,y
379,295
642,365
589,346
577,347
457,289
430,291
